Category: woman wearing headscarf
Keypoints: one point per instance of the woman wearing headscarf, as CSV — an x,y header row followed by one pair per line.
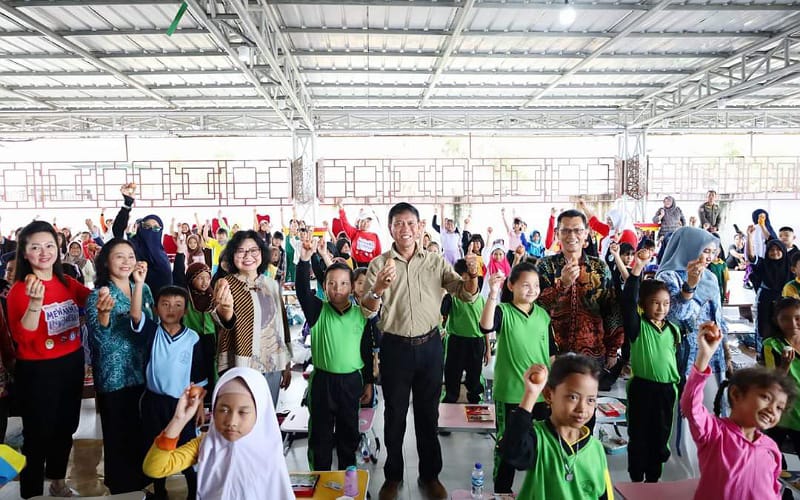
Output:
x,y
75,257
694,299
768,277
618,228
146,242
194,250
757,240
240,458
670,216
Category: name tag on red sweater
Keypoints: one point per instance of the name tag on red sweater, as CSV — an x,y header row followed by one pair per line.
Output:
x,y
61,317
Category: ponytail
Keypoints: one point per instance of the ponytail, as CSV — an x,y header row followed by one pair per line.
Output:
x,y
718,398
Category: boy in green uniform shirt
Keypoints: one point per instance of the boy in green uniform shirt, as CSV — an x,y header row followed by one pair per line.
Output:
x,y
524,338
652,389
341,350
467,346
563,460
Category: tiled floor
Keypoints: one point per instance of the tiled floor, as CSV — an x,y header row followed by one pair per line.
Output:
x,y
460,451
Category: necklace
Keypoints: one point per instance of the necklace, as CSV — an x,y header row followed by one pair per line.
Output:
x,y
250,283
569,468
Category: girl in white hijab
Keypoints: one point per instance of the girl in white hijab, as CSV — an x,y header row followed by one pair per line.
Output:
x,y
241,457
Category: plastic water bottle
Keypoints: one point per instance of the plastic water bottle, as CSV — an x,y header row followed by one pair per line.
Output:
x,y
351,482
477,481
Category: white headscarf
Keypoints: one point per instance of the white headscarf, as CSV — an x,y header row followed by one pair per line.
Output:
x,y
253,467
621,221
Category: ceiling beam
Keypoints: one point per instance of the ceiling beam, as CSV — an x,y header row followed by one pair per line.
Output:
x,y
356,31
88,3
221,39
549,5
734,58
508,54
142,73
24,19
604,47
103,33
459,22
269,44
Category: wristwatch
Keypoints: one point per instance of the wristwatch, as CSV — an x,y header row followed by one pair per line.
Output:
x,y
375,295
685,288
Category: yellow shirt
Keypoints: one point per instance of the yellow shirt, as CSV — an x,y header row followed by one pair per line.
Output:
x,y
216,250
164,459
792,289
411,304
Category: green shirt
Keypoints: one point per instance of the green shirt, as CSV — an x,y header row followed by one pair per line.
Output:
x,y
653,353
523,340
336,339
465,317
547,480
773,348
200,322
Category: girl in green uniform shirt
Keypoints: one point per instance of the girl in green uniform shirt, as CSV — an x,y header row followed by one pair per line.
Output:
x,y
780,351
652,390
524,338
563,460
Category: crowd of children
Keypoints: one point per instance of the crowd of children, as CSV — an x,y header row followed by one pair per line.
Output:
x,y
170,321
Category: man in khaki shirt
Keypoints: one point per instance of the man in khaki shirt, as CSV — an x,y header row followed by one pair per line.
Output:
x,y
405,285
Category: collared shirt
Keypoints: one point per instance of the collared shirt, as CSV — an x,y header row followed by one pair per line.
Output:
x,y
410,306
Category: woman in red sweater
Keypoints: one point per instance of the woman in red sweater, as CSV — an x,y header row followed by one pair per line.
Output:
x,y
364,244
44,319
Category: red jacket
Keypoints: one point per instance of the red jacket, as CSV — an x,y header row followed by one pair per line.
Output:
x,y
59,331
364,245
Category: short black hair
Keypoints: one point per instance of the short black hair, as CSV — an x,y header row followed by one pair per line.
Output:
x,y
460,267
172,291
626,248
338,266
567,364
278,235
222,231
786,228
795,259
568,214
712,191
236,241
400,208
780,305
648,288
522,267
358,272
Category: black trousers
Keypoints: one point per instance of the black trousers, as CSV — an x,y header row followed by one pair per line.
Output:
x,y
156,411
504,472
49,394
333,405
463,354
412,369
123,452
651,408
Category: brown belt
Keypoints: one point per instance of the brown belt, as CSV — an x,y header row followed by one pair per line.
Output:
x,y
418,340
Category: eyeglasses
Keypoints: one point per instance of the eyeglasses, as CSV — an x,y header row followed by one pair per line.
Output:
x,y
253,251
398,224
567,231
155,229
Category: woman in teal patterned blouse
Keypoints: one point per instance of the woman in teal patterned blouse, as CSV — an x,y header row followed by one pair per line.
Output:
x,y
118,365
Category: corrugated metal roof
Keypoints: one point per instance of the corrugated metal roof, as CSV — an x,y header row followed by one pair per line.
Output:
x,y
384,55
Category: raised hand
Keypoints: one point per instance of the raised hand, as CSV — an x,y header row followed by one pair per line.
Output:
x,y
694,272
34,289
472,264
105,303
139,272
535,378
180,243
189,403
306,247
385,276
128,189
223,297
496,283
613,249
709,337
570,273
